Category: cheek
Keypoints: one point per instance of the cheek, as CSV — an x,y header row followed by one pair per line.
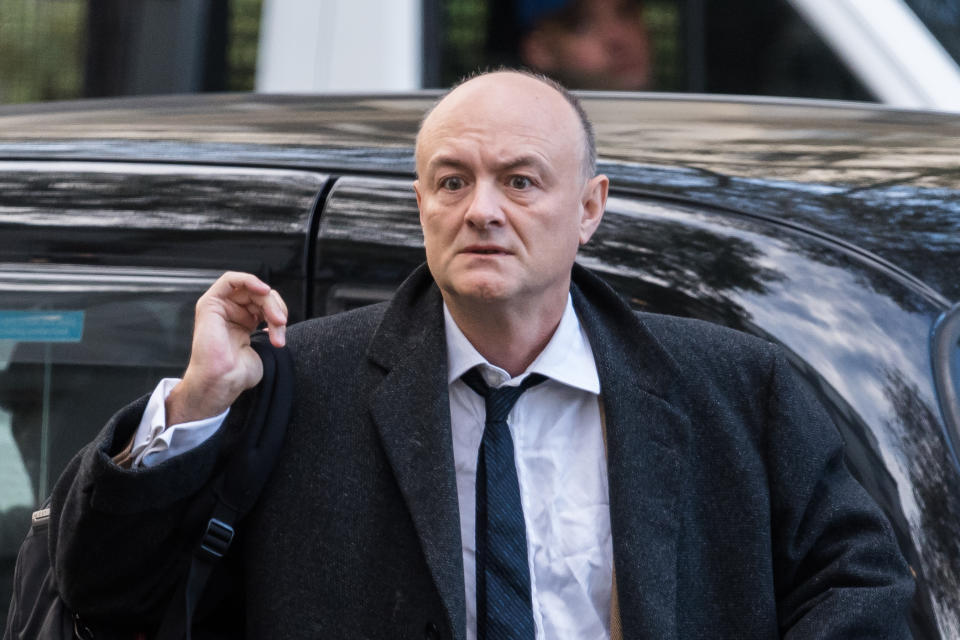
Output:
x,y
574,51
438,231
585,53
559,236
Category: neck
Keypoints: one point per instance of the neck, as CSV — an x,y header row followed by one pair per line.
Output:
x,y
507,336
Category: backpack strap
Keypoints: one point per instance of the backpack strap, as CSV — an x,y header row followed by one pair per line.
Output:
x,y
238,487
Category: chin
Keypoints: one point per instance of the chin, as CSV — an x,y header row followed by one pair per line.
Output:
x,y
483,289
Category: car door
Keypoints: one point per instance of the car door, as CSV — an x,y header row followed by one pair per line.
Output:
x,y
855,329
101,264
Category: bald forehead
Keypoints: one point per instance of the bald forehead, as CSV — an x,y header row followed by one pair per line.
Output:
x,y
511,99
506,84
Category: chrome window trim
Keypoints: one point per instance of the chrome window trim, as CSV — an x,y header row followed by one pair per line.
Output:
x,y
945,347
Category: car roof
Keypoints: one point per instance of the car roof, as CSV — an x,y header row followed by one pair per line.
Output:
x,y
884,180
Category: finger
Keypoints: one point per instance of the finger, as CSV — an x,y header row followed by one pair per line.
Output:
x,y
245,289
247,316
270,306
255,312
276,317
278,335
236,284
280,303
272,310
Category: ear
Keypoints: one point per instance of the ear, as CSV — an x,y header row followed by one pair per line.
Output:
x,y
416,190
592,203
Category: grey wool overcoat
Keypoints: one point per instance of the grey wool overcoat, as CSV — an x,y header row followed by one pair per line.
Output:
x,y
733,515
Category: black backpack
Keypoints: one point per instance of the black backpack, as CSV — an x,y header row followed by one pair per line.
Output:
x,y
36,610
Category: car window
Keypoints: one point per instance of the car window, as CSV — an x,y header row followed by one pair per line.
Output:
x,y
161,214
754,47
76,344
941,17
368,241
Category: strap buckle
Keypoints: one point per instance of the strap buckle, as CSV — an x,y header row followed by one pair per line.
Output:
x,y
217,538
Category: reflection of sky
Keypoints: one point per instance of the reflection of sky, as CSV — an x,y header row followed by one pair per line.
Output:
x,y
848,332
14,482
6,350
827,311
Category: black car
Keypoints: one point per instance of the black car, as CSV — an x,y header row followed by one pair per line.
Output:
x,y
832,229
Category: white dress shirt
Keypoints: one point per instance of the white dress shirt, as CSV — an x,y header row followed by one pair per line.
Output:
x,y
561,468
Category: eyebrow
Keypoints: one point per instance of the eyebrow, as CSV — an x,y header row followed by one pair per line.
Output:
x,y
507,165
438,162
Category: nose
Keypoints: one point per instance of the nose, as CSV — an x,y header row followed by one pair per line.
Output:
x,y
485,208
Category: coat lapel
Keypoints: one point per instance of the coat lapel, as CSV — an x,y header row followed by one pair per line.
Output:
x,y
647,436
411,409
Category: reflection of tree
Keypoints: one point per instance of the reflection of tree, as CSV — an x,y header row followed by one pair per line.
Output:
x,y
914,227
869,277
935,485
696,263
107,199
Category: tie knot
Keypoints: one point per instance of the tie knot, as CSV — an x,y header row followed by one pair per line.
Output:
x,y
499,401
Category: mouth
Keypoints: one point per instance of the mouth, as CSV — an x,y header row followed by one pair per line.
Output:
x,y
485,250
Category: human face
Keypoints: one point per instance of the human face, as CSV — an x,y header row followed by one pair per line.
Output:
x,y
595,44
504,203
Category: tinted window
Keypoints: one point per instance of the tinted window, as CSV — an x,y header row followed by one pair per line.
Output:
x,y
76,344
754,47
941,17
161,215
369,241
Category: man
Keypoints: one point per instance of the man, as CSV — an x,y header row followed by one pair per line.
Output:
x,y
586,44
669,478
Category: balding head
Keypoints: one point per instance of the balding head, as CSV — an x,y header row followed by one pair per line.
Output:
x,y
505,197
519,79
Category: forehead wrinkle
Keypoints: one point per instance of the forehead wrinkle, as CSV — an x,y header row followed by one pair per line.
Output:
x,y
499,150
527,160
497,90
445,161
487,120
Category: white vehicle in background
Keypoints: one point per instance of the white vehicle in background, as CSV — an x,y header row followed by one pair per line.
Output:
x,y
888,46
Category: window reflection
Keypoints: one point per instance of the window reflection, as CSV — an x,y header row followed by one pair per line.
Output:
x,y
75,346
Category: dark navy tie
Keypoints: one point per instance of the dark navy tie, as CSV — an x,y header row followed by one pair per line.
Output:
x,y
503,576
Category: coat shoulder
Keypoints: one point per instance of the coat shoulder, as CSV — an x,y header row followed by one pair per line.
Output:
x,y
715,362
702,344
348,331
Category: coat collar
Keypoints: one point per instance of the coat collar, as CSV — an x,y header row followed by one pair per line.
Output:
x,y
647,436
647,439
411,409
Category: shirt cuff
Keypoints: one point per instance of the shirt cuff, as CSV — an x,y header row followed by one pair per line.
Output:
x,y
154,442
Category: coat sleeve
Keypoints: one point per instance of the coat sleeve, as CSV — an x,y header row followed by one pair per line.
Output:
x,y
838,570
120,539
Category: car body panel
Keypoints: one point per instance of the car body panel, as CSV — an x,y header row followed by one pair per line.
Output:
x,y
847,170
830,229
161,215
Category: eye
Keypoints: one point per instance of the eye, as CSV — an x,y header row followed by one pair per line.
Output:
x,y
451,183
520,182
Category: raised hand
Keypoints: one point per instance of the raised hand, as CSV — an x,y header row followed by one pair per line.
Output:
x,y
222,362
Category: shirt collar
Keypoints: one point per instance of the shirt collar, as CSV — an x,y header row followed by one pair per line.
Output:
x,y
567,358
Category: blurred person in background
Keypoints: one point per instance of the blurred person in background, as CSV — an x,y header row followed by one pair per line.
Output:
x,y
585,44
